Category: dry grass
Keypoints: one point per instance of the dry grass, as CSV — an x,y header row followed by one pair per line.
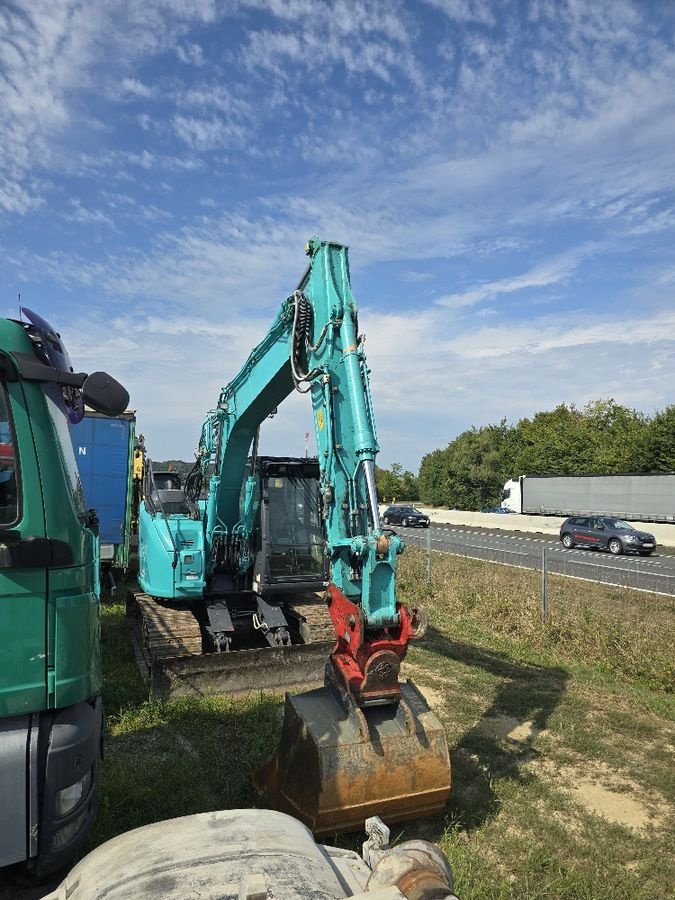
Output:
x,y
626,632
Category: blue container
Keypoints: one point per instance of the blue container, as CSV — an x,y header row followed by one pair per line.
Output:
x,y
104,452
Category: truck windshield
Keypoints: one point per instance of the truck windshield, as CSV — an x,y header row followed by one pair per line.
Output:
x,y
295,528
9,501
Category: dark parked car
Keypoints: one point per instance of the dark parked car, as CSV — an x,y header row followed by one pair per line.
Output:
x,y
404,515
607,533
502,510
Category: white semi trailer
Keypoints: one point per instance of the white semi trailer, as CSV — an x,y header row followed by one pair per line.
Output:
x,y
638,498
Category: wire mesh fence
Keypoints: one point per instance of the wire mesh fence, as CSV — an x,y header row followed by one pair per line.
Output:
x,y
626,571
620,611
654,581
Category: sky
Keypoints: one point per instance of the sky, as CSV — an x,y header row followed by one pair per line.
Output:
x,y
502,172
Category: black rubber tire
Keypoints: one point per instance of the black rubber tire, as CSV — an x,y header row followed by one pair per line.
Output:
x,y
404,522
386,520
567,541
615,546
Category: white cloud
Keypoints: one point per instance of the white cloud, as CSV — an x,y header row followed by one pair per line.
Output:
x,y
208,134
190,53
545,274
79,213
550,334
441,383
365,38
461,140
465,11
134,88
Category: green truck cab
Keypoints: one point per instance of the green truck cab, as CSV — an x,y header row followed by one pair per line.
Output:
x,y
50,666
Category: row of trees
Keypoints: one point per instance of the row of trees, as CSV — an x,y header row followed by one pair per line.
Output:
x,y
395,484
602,438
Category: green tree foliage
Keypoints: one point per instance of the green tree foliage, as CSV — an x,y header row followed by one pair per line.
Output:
x,y
471,471
395,484
617,434
602,438
659,442
553,443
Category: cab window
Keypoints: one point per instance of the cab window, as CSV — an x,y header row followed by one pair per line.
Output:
x,y
57,414
9,499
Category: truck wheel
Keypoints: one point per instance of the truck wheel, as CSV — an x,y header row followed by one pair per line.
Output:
x,y
567,541
615,546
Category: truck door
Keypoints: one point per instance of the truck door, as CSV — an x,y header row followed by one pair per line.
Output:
x,y
73,643
23,608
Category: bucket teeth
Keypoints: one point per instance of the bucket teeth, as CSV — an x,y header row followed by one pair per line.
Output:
x,y
334,767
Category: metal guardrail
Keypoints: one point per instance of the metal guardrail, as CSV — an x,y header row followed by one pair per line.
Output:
x,y
632,572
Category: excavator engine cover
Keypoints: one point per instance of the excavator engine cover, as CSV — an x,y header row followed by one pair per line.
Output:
x,y
335,767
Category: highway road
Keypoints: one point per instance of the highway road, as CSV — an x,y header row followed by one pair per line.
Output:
x,y
655,573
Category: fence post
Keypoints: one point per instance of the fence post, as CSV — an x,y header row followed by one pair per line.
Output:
x,y
544,587
428,553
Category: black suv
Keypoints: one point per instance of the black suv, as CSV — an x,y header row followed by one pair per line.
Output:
x,y
606,532
404,515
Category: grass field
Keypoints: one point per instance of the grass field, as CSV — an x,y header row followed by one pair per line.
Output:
x,y
562,736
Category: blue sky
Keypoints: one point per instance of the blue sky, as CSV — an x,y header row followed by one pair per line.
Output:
x,y
503,173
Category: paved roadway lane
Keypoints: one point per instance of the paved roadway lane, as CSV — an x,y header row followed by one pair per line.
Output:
x,y
654,573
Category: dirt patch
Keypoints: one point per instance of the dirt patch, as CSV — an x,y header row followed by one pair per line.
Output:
x,y
613,797
435,697
508,728
567,820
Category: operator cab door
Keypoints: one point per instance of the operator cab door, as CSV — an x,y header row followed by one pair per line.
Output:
x,y
23,587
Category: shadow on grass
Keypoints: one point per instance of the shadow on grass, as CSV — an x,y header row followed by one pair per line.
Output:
x,y
172,757
168,758
498,745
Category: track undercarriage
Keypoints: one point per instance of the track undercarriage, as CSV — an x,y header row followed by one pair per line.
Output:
x,y
175,650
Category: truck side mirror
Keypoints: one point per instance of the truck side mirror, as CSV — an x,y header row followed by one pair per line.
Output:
x,y
105,395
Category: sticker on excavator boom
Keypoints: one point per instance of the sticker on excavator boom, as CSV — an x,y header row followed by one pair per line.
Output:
x,y
319,420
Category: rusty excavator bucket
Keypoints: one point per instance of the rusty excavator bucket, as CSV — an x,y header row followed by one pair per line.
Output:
x,y
337,764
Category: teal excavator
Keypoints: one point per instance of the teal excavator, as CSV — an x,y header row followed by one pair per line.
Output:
x,y
231,556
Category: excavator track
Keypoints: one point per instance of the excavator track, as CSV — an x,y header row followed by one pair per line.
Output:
x,y
168,647
314,621
169,630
